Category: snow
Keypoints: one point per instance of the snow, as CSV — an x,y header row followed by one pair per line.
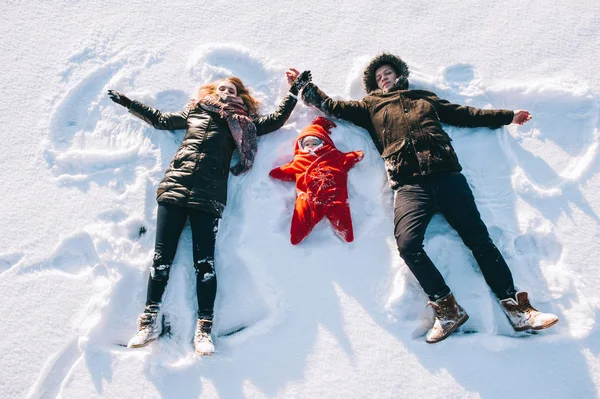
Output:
x,y
324,318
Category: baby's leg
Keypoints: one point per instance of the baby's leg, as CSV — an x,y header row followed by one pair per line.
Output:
x,y
304,220
338,214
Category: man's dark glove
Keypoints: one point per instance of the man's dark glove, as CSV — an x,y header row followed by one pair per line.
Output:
x,y
119,98
302,80
311,95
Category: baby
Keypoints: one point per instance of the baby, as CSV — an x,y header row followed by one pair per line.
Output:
x,y
320,171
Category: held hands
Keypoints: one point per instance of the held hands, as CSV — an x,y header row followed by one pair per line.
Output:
x,y
119,98
297,80
521,117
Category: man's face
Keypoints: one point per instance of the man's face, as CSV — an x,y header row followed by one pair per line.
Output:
x,y
385,76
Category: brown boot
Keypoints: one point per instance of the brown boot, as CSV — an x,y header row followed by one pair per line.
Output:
x,y
523,316
149,327
203,344
448,317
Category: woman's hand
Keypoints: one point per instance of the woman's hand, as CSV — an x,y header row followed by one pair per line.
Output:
x,y
521,117
119,98
291,74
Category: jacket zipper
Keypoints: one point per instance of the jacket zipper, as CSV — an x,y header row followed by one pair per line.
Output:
x,y
410,138
384,122
202,145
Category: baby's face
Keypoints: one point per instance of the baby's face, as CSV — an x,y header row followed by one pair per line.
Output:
x,y
310,144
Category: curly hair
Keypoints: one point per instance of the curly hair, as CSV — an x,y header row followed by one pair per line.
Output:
x,y
399,66
242,92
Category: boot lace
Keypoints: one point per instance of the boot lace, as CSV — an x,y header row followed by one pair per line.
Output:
x,y
442,312
526,307
203,330
146,320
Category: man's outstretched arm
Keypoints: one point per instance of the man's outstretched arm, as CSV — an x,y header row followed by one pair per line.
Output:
x,y
352,111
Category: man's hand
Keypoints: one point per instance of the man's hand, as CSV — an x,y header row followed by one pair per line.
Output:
x,y
119,98
521,117
299,81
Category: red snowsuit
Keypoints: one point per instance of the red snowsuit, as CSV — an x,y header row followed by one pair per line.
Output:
x,y
321,183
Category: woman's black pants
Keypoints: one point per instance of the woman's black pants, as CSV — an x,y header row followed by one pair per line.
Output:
x,y
414,205
169,224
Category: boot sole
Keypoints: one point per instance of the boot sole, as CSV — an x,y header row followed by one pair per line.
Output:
x,y
460,323
520,329
205,353
141,345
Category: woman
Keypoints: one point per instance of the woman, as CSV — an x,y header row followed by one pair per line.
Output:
x,y
222,118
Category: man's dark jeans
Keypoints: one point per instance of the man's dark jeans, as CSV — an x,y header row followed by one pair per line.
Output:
x,y
169,224
414,205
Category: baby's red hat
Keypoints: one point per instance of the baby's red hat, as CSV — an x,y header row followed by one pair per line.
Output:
x,y
321,124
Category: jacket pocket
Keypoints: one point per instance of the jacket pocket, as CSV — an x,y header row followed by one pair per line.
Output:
x,y
185,158
394,148
441,150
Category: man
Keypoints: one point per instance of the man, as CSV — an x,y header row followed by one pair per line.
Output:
x,y
424,172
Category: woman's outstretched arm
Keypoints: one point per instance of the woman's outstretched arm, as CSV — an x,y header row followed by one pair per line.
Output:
x,y
269,123
154,117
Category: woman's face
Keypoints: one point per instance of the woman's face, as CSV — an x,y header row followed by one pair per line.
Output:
x,y
385,76
227,88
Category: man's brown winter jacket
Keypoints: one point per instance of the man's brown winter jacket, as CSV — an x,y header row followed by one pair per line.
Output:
x,y
406,127
197,175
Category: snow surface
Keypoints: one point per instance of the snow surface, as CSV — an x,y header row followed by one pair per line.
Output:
x,y
324,319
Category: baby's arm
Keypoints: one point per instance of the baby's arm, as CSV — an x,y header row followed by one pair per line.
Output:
x,y
286,172
352,158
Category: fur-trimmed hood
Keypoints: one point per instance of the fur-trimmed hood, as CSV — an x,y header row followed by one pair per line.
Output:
x,y
369,82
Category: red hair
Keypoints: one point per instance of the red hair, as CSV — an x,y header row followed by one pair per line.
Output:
x,y
242,92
